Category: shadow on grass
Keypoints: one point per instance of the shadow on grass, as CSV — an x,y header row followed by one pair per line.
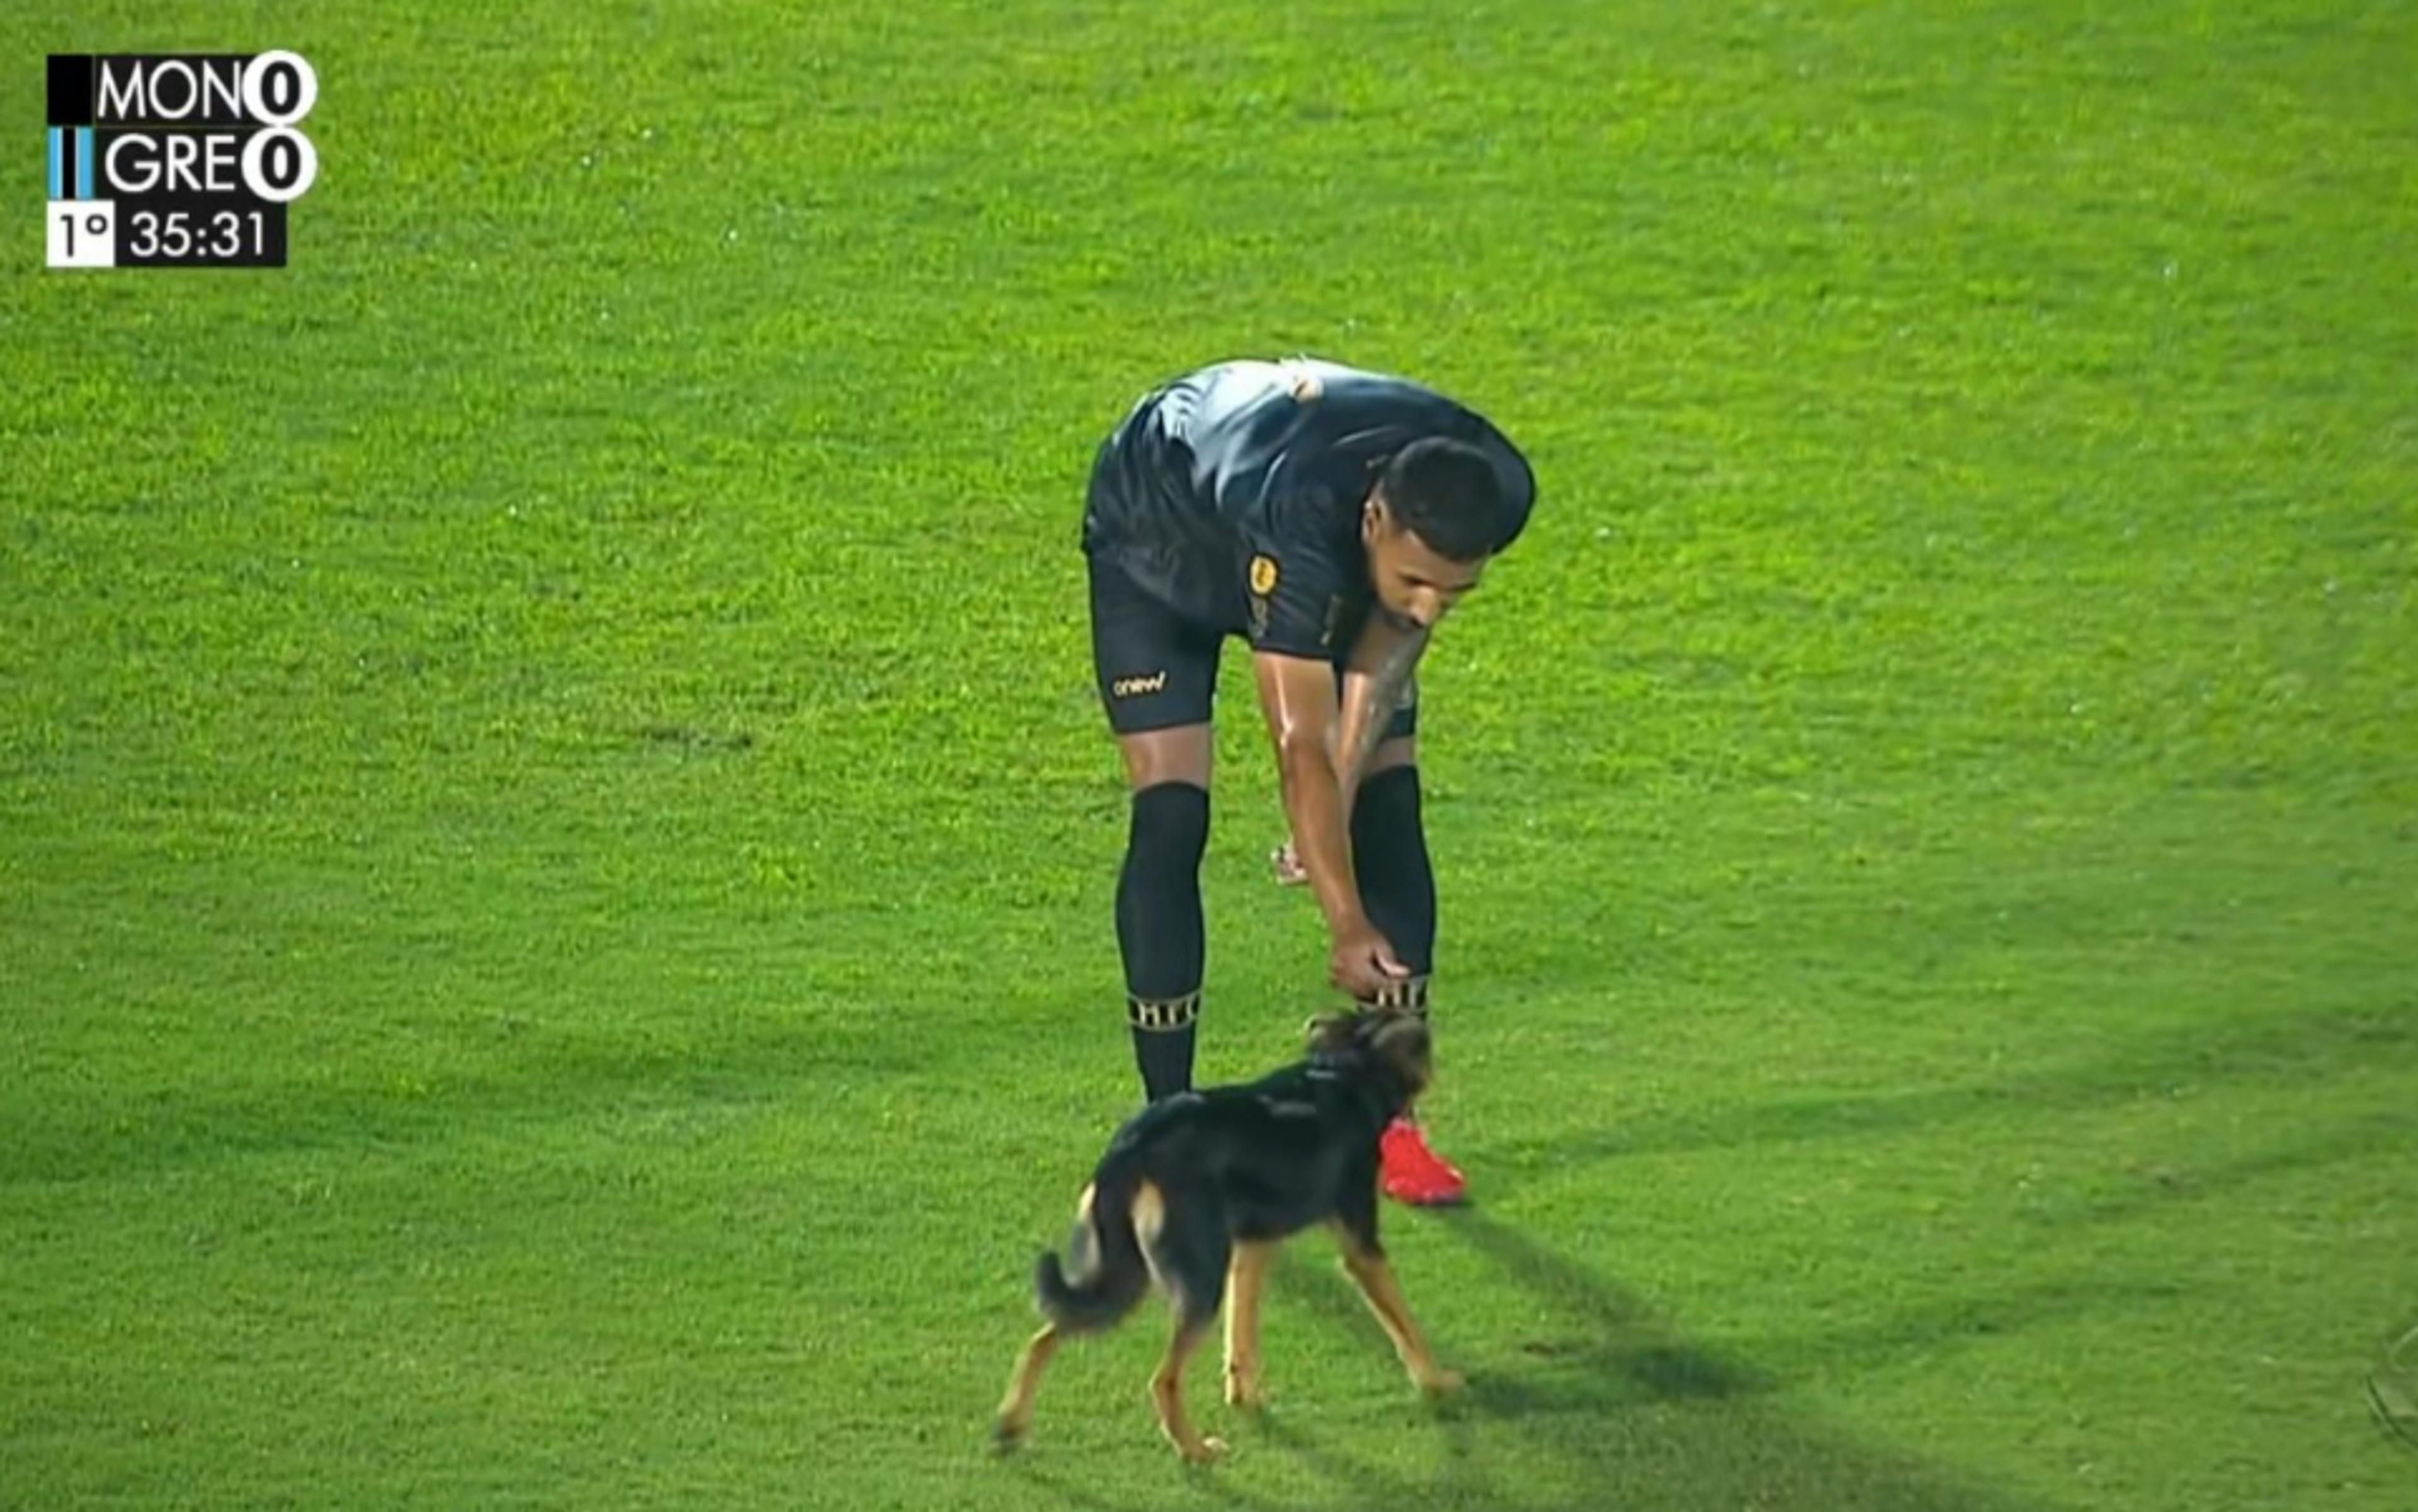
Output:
x,y
2157,1187
532,1073
1065,1487
1623,1412
1068,1486
2284,1049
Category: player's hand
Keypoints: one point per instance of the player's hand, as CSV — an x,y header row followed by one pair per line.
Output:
x,y
1285,862
1364,964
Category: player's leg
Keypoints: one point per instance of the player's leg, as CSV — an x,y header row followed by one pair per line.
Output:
x,y
1390,856
1160,934
1156,678
1389,850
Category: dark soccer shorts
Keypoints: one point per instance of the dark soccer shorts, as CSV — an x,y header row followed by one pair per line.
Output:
x,y
1157,670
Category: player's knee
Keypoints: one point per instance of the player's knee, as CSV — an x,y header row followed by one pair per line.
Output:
x,y
1171,826
1181,754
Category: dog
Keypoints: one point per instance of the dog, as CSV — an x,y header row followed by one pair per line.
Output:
x,y
1196,1191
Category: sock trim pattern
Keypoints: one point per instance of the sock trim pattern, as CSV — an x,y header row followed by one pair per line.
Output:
x,y
1410,994
1163,1016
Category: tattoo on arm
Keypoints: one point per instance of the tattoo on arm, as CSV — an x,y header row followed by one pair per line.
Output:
x,y
1381,666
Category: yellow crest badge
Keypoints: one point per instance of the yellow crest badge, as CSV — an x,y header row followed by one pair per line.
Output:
x,y
1264,575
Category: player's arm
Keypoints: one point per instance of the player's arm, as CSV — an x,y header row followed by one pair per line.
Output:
x,y
1297,693
1380,666
1293,584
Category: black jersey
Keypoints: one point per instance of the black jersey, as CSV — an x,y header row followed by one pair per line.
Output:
x,y
1233,495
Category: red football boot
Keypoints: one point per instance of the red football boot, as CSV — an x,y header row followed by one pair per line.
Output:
x,y
1415,1173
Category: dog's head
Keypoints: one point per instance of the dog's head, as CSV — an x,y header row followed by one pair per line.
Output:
x,y
1396,1039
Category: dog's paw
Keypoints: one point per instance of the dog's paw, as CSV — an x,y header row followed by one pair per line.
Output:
x,y
1206,1452
1006,1436
1442,1383
1245,1392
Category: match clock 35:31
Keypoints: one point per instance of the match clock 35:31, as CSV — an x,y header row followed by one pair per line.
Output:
x,y
250,235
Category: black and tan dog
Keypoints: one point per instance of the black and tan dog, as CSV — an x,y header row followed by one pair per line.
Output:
x,y
1196,1191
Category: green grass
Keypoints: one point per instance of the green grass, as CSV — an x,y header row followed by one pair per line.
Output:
x,y
555,841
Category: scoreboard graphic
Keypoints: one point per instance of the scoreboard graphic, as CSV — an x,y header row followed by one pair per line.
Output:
x,y
187,159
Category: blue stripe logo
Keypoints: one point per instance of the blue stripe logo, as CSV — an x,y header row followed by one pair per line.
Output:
x,y
83,163
58,190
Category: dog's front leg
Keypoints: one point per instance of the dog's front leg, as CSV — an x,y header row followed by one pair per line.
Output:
x,y
1375,1278
1246,1281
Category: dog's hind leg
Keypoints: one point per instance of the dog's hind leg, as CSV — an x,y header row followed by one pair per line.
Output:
x,y
1189,1250
1015,1409
1246,1283
1167,1394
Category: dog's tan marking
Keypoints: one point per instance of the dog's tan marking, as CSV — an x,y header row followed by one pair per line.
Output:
x,y
1148,1211
1083,1258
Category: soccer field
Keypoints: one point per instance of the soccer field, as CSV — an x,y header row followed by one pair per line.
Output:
x,y
556,840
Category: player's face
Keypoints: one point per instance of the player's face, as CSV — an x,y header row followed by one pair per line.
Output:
x,y
1416,585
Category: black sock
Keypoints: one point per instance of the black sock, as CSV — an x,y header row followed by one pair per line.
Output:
x,y
1159,931
1389,852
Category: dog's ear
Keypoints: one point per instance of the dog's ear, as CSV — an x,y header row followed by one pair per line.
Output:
x,y
1328,1033
1403,1043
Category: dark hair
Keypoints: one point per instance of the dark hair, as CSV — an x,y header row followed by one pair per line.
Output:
x,y
1450,495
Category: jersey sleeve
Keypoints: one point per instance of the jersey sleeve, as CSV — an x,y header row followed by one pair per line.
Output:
x,y
1294,589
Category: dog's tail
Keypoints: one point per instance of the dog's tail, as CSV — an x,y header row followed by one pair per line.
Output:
x,y
1105,1272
